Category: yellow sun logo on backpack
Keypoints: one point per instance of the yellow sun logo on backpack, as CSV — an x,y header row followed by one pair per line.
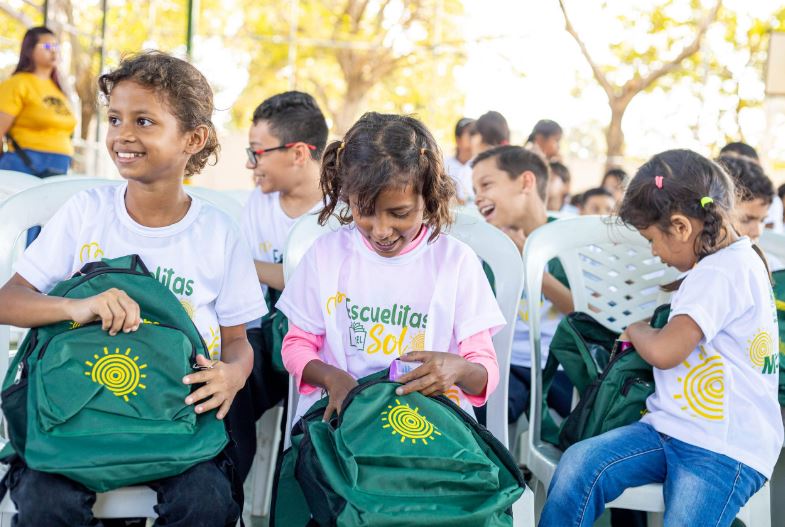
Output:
x,y
408,423
117,372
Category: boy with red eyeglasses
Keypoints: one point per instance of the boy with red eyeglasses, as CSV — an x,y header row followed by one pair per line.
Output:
x,y
286,141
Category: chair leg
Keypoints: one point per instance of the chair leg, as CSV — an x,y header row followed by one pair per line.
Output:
x,y
268,437
757,511
540,494
523,510
655,519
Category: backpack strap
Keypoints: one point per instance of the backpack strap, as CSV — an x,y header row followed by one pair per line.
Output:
x,y
22,154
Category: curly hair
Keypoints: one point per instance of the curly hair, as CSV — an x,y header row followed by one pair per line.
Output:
x,y
381,151
182,87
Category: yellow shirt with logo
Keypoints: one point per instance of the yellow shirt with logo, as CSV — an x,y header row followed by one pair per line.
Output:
x,y
42,117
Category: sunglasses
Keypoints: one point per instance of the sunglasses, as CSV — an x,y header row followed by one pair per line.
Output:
x,y
254,155
49,46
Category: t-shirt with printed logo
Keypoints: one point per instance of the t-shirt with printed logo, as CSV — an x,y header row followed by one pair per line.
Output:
x,y
201,259
550,317
723,397
372,309
265,227
43,120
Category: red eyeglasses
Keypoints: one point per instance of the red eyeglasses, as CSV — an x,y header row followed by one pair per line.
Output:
x,y
254,155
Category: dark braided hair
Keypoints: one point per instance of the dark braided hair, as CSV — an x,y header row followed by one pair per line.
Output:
x,y
378,152
687,179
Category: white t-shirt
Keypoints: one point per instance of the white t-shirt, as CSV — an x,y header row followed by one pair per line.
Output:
x,y
265,227
372,309
723,397
550,317
462,175
201,258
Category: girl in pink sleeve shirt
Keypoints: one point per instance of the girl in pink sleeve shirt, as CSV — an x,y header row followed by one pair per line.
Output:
x,y
389,283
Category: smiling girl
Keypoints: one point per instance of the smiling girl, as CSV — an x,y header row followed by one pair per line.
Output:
x,y
159,131
390,282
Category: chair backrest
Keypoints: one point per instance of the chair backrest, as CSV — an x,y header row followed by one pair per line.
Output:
x,y
772,243
37,204
612,276
493,247
12,182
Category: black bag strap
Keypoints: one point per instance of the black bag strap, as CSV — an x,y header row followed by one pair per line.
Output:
x,y
21,153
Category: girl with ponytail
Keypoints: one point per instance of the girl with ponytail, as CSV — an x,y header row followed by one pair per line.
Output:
x,y
712,431
389,283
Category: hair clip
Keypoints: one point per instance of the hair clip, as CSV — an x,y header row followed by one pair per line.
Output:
x,y
343,144
705,200
658,181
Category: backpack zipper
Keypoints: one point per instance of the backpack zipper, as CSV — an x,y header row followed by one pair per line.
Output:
x,y
91,324
630,381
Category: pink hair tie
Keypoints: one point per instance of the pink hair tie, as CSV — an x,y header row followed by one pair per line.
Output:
x,y
658,182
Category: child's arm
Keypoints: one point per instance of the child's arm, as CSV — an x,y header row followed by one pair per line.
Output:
x,y
223,378
23,306
337,382
475,370
557,293
667,347
270,274
300,354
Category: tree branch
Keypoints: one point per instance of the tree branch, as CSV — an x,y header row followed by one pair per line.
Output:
x,y
595,68
640,84
16,15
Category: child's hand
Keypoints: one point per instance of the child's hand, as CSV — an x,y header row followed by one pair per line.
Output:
x,y
338,385
438,373
222,382
116,310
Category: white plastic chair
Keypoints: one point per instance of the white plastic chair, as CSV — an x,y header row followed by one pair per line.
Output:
x,y
35,206
12,182
614,277
498,251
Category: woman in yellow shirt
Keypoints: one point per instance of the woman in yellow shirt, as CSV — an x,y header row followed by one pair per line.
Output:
x,y
34,113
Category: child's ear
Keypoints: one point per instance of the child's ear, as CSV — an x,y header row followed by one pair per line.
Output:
x,y
528,181
302,154
681,227
197,138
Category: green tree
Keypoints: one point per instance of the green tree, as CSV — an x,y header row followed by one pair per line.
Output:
x,y
638,63
355,55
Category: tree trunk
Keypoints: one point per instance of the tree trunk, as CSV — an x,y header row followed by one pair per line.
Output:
x,y
350,108
614,135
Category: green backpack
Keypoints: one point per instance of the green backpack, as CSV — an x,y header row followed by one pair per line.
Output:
x,y
110,411
391,460
613,384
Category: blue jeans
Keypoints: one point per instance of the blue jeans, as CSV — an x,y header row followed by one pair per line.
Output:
x,y
44,164
700,487
199,497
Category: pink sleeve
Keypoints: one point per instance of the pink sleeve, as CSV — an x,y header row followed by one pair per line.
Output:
x,y
479,349
298,349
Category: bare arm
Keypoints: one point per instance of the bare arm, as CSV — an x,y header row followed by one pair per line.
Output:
x,y
557,293
6,120
270,274
23,306
667,347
